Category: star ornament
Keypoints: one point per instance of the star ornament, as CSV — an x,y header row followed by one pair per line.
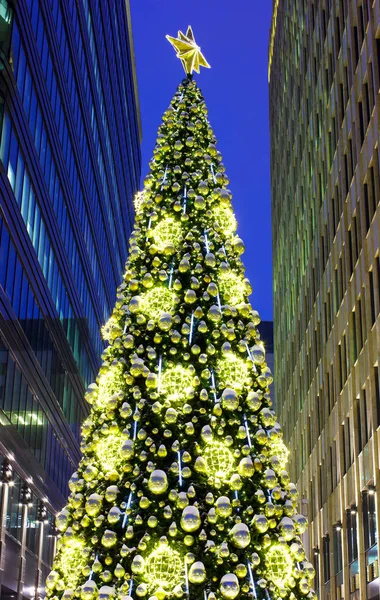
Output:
x,y
188,51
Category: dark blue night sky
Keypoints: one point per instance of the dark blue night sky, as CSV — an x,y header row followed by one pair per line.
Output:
x,y
234,38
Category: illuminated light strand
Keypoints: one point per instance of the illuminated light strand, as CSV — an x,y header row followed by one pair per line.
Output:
x,y
184,199
179,102
225,254
237,498
267,594
187,580
206,242
253,587
159,373
130,588
247,431
171,276
191,327
135,427
204,595
213,173
127,312
125,512
164,177
179,469
213,386
92,571
218,299
251,358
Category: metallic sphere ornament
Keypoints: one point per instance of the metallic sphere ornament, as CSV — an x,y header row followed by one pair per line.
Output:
x,y
190,519
111,493
106,592
62,520
109,539
138,565
197,573
158,482
287,528
230,400
223,507
229,586
240,535
89,590
165,321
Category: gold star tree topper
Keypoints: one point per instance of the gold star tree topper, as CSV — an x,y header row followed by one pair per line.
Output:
x,y
188,51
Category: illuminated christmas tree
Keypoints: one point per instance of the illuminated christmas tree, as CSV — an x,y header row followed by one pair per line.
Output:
x,y
182,490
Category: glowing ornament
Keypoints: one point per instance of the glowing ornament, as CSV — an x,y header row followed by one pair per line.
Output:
x,y
233,372
229,586
164,568
240,535
190,519
108,451
71,559
197,573
156,301
167,233
224,220
177,383
219,460
158,482
110,382
111,329
279,565
232,287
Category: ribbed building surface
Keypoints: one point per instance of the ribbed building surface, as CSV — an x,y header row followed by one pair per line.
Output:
x,y
69,167
324,72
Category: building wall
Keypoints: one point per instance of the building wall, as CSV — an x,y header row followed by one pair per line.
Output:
x,y
69,167
324,73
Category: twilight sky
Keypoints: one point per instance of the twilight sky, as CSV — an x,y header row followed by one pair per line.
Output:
x,y
234,38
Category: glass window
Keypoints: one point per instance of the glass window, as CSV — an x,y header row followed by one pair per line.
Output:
x,y
369,518
14,509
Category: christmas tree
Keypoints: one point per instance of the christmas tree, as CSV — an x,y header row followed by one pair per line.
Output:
x,y
182,490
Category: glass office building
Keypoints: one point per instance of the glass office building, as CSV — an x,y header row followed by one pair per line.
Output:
x,y
69,168
324,71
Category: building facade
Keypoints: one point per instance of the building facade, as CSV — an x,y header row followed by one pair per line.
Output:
x,y
69,168
324,74
266,333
